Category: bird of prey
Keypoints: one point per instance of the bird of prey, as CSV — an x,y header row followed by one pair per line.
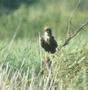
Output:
x,y
48,42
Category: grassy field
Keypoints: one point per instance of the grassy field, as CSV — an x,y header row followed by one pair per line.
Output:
x,y
21,56
20,67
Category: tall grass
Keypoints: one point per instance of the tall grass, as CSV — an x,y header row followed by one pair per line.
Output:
x,y
20,68
21,56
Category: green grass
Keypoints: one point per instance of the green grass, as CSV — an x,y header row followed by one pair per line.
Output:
x,y
21,67
33,18
21,55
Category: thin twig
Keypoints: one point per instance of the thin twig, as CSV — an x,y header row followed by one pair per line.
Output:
x,y
70,18
72,36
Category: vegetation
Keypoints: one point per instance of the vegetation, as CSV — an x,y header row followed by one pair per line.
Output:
x,y
21,55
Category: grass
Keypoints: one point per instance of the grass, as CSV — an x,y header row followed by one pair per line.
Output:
x,y
20,67
21,54
33,19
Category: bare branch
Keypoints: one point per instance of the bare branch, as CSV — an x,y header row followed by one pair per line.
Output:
x,y
74,10
71,16
72,36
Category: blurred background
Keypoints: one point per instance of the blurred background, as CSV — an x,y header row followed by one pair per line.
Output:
x,y
28,17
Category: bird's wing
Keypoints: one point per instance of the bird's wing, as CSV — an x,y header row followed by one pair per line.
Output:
x,y
53,41
42,42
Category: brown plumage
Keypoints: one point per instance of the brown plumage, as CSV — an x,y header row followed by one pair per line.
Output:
x,y
48,42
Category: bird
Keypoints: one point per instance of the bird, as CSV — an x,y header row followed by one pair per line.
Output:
x,y
48,42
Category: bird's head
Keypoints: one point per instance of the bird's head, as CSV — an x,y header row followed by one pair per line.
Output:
x,y
48,31
47,34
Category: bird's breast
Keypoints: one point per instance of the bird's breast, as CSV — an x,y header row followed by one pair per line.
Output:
x,y
46,38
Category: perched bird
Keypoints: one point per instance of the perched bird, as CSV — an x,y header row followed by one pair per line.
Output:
x,y
48,42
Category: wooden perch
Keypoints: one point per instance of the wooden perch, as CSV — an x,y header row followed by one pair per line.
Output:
x,y
72,36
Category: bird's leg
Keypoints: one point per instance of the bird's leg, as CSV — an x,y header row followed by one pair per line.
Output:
x,y
47,62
